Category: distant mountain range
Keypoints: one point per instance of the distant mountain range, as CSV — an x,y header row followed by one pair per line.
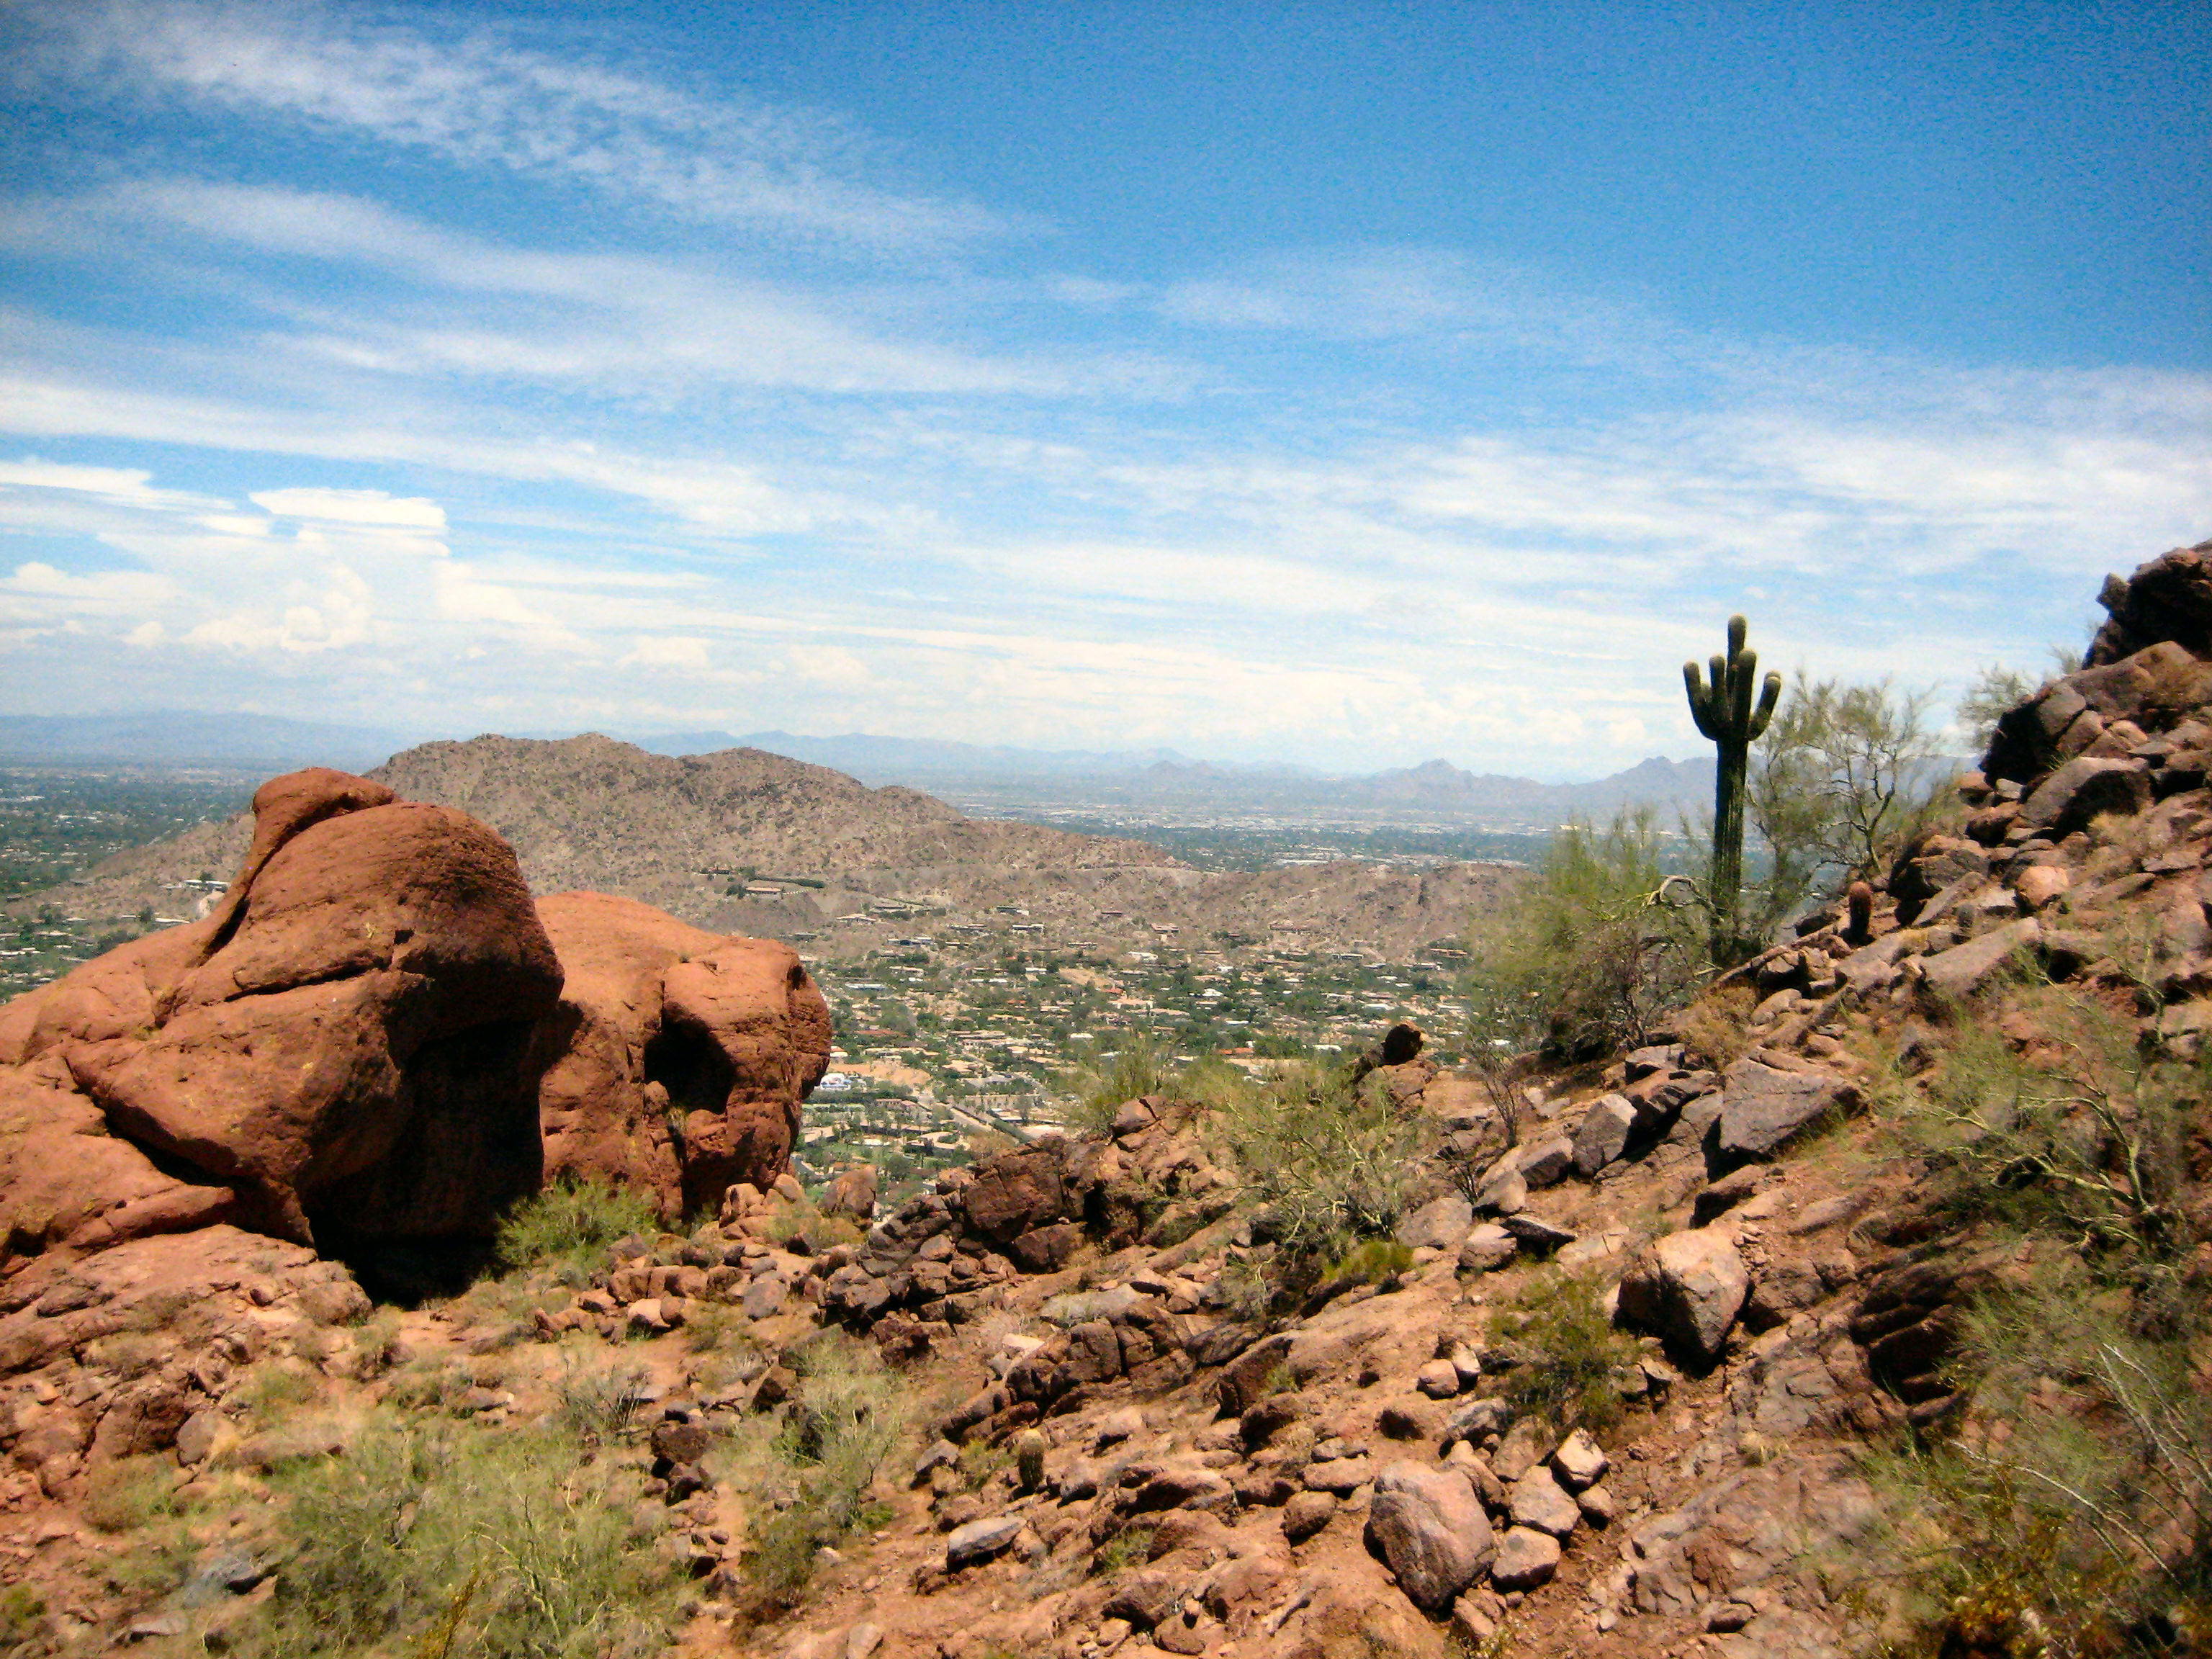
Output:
x,y
175,738
989,779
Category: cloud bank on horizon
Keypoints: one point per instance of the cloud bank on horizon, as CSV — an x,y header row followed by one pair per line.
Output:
x,y
1341,392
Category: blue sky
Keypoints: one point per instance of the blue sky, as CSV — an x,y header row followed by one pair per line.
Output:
x,y
1342,384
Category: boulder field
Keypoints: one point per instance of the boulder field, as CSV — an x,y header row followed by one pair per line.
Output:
x,y
378,1040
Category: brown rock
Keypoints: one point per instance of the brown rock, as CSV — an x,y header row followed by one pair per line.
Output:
x,y
853,1193
1430,1526
340,1052
1014,1193
657,1016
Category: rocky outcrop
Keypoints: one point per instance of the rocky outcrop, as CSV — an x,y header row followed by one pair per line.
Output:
x,y
355,1050
677,1059
340,1054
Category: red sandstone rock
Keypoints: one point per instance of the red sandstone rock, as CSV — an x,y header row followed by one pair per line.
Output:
x,y
337,1053
661,1021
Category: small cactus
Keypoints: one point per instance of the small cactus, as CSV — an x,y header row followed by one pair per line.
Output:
x,y
1858,924
1029,1459
1725,712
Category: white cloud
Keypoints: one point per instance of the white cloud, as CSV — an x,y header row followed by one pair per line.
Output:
x,y
353,507
475,100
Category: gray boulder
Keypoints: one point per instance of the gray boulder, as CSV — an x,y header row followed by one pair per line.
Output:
x,y
1538,1500
1430,1527
1689,1288
1487,1248
1439,1224
1762,1108
979,1541
1526,1558
1603,1135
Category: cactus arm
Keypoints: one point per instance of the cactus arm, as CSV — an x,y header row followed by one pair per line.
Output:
x,y
1743,670
1768,695
1700,704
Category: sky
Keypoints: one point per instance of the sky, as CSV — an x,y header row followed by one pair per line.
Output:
x,y
1336,384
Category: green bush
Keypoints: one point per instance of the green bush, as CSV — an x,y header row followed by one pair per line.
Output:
x,y
1571,1354
1330,1163
594,1403
1583,956
504,1534
2082,1136
572,1225
2072,1514
124,1495
1138,1066
849,1413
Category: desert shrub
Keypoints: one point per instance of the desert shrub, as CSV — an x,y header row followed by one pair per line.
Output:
x,y
1100,1085
1329,1162
979,1462
22,1614
1581,958
2082,1134
596,1402
1132,1546
849,1413
1569,1352
427,1385
1716,1027
787,1221
124,1495
2071,1514
571,1226
272,1388
1369,1261
376,1345
543,1555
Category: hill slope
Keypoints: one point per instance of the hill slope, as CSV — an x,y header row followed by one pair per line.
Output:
x,y
831,861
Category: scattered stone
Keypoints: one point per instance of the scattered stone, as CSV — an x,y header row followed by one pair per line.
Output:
x,y
1438,1379
1432,1531
1764,1109
1486,1249
1535,1235
1603,1136
1546,1163
1579,1461
1958,972
979,1541
1526,1559
1307,1514
1538,1500
1439,1224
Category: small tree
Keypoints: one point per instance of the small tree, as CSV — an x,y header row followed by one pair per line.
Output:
x,y
1581,958
1844,775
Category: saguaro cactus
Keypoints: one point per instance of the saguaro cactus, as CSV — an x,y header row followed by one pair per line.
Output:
x,y
1724,713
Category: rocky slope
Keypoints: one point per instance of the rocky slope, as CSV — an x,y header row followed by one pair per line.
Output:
x,y
1612,1397
678,833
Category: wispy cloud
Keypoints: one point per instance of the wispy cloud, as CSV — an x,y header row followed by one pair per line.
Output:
x,y
473,97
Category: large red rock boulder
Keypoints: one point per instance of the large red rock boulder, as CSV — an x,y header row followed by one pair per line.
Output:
x,y
342,1055
679,1058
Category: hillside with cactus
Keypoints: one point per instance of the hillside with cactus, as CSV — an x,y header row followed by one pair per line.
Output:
x,y
1852,1306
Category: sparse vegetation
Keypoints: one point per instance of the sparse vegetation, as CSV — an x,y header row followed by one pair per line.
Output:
x,y
1132,1546
1571,1354
1582,958
124,1495
551,1557
1138,1066
1328,1163
2072,1514
850,1413
2079,1133
570,1226
1844,774
596,1403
